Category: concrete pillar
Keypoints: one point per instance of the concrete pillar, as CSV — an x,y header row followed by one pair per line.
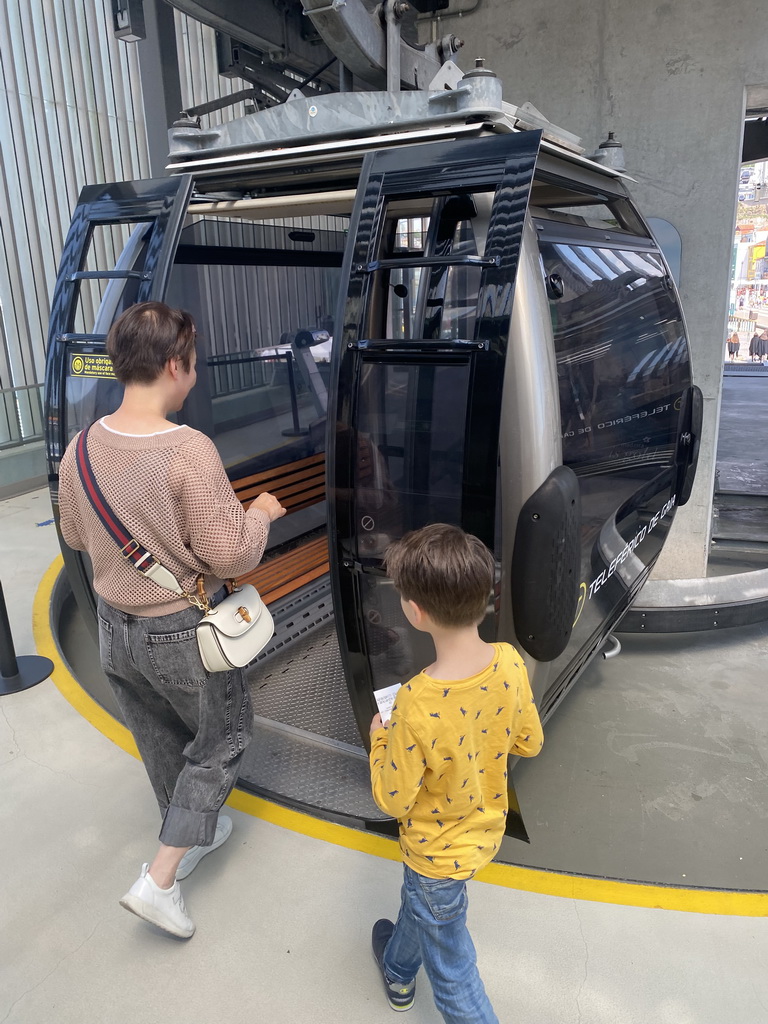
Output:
x,y
669,79
160,83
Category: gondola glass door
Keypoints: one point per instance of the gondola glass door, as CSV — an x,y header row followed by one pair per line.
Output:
x,y
414,415
119,250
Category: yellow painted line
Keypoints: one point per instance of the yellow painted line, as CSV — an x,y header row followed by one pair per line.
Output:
x,y
548,883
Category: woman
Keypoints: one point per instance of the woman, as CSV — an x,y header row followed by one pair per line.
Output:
x,y
734,345
167,485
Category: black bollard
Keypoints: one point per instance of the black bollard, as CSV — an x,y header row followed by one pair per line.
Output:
x,y
18,673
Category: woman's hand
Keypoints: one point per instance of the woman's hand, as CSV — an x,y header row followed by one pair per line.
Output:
x,y
268,503
377,723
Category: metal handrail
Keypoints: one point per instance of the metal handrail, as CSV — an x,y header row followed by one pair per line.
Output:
x,y
233,372
21,415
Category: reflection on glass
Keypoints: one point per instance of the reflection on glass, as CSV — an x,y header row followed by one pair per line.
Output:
x,y
621,356
556,202
88,399
252,397
396,651
410,450
410,234
401,311
436,302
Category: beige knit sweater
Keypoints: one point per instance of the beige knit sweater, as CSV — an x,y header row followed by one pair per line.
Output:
x,y
172,494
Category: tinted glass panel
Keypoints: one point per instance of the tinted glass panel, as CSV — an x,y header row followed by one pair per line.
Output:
x,y
396,651
436,302
410,449
555,202
401,305
91,388
121,247
261,401
621,356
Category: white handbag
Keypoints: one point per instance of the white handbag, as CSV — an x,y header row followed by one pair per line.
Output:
x,y
235,631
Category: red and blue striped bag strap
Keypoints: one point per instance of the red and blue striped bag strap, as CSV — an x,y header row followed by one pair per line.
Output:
x,y
129,546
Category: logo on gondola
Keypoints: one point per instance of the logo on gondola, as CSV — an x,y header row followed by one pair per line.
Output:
x,y
367,523
581,601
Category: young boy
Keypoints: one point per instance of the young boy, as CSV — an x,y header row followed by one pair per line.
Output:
x,y
440,767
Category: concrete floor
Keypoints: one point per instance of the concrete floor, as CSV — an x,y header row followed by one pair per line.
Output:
x,y
655,766
283,919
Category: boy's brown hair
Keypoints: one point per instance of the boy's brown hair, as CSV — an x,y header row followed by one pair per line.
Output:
x,y
143,338
447,572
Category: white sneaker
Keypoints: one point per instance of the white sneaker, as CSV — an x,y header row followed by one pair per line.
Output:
x,y
195,854
163,907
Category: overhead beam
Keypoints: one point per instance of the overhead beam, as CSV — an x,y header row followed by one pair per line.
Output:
x,y
285,38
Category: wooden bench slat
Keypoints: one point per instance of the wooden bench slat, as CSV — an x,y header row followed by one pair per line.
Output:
x,y
294,562
306,476
282,575
293,502
269,584
297,485
286,470
290,587
286,496
308,554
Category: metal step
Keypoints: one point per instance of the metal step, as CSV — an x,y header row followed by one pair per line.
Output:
x,y
296,770
303,686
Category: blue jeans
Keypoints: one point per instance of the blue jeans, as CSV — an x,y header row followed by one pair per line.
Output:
x,y
431,929
191,726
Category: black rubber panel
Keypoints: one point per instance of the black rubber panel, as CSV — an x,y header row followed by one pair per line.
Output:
x,y
545,566
694,619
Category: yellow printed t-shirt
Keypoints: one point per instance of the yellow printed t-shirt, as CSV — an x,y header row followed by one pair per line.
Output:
x,y
441,766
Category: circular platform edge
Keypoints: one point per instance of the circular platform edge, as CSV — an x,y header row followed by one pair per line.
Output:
x,y
734,903
692,605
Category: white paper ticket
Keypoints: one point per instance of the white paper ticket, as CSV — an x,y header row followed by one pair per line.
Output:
x,y
385,699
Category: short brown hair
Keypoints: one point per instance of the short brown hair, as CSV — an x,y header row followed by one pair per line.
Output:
x,y
447,572
143,338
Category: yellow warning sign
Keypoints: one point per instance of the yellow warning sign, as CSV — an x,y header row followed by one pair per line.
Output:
x,y
84,365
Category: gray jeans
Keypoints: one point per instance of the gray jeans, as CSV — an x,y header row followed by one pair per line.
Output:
x,y
191,726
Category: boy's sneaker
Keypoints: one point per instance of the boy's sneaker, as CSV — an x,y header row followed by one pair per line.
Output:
x,y
162,907
195,854
400,996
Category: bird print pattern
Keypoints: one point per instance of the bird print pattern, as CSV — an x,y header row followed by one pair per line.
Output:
x,y
446,802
